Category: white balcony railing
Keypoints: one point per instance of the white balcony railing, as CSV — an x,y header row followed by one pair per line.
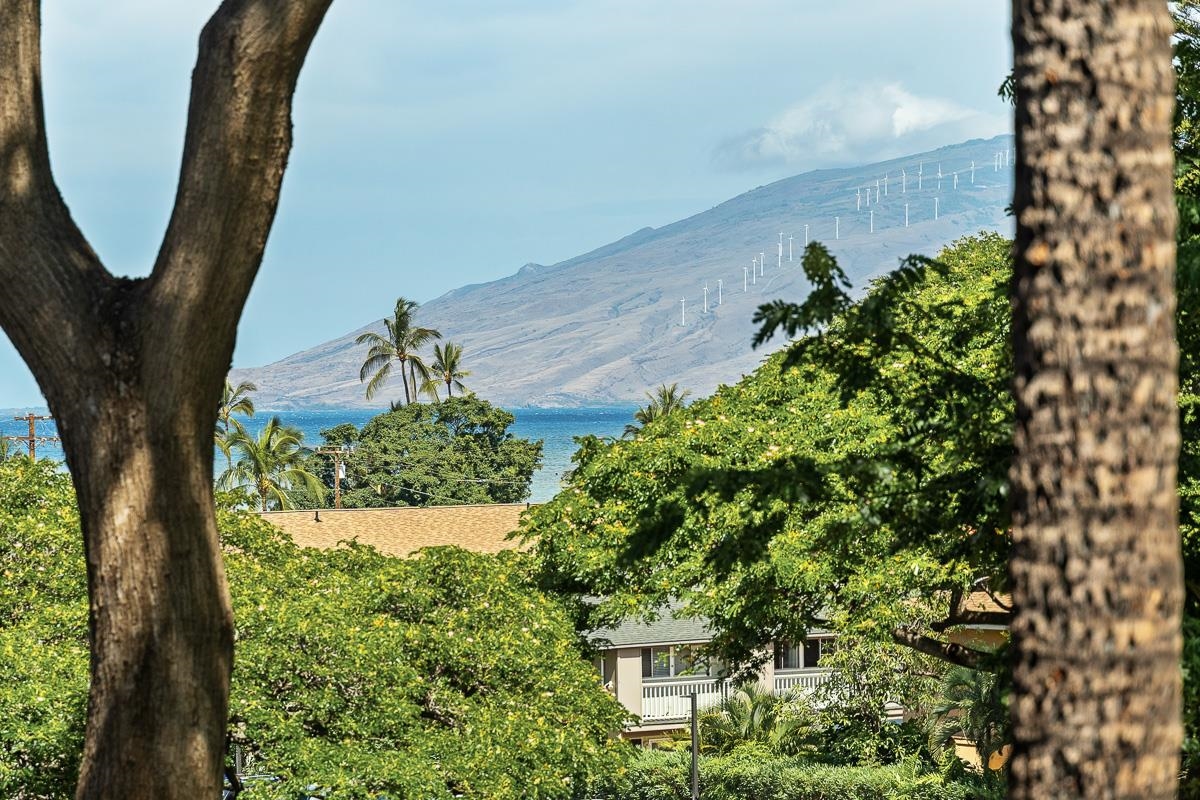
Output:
x,y
804,681
667,698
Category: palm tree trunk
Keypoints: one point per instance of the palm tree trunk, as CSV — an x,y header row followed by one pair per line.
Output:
x,y
449,393
404,380
1096,573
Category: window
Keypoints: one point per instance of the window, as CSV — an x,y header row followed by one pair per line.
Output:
x,y
672,661
803,656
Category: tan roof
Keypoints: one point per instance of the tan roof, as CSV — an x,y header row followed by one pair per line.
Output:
x,y
400,531
982,601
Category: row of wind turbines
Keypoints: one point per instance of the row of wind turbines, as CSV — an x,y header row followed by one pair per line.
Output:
x,y
1001,159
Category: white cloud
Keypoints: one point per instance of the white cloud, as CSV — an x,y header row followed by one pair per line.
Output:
x,y
843,123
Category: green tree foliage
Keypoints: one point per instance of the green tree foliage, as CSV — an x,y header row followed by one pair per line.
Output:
x,y
457,451
752,714
662,401
754,773
1187,288
271,465
43,632
971,704
446,368
441,676
235,401
856,479
400,346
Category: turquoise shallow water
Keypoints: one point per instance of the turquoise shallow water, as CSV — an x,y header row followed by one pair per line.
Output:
x,y
556,427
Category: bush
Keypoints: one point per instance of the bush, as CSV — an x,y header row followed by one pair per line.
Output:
x,y
746,775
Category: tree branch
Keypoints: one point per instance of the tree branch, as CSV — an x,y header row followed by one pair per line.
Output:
x,y
235,152
50,274
946,651
965,617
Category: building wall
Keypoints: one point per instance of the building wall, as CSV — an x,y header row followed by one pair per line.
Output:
x,y
627,683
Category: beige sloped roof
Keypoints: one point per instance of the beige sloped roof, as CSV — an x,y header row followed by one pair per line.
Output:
x,y
400,531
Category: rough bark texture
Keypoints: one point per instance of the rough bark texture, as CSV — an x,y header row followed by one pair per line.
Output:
x,y
1096,573
133,372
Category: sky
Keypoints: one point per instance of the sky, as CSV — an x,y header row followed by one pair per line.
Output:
x,y
449,143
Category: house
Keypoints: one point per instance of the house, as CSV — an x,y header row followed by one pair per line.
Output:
x,y
654,667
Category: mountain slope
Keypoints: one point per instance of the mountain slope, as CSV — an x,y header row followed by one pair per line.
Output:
x,y
606,326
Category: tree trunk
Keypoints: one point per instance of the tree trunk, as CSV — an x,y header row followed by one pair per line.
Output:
x,y
161,622
404,380
1096,570
133,372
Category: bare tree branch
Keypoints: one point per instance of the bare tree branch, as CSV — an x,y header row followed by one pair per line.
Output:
x,y
946,651
966,617
235,152
50,274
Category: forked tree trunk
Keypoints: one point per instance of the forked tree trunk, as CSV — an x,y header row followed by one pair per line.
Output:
x,y
133,372
1096,570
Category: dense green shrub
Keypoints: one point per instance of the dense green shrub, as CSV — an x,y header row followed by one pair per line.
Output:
x,y
750,773
441,676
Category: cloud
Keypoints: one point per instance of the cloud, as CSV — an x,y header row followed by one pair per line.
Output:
x,y
845,123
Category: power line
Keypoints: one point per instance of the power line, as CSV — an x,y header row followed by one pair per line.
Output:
x,y
32,439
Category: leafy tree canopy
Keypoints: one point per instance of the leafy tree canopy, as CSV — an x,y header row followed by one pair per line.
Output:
x,y
856,479
444,675
457,451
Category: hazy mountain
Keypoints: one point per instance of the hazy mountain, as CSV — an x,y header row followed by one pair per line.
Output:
x,y
606,326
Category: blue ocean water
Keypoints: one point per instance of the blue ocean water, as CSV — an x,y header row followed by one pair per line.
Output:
x,y
556,427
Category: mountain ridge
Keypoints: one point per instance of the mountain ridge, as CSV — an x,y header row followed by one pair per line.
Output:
x,y
607,325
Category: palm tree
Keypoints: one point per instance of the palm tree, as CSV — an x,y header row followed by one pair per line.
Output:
x,y
446,368
234,400
401,344
664,400
972,706
752,713
271,464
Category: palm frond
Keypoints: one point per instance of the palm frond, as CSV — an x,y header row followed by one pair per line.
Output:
x,y
379,379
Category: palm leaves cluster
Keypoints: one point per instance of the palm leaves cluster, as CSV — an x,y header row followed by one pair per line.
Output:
x,y
752,714
270,464
972,706
401,345
663,401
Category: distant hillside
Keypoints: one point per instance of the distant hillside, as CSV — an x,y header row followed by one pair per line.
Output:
x,y
606,326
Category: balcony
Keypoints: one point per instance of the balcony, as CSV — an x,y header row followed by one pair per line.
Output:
x,y
666,699
803,680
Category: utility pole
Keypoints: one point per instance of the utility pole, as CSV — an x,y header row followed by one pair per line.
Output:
x,y
338,473
695,750
31,441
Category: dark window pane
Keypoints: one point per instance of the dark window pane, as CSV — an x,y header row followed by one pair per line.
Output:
x,y
646,662
812,653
